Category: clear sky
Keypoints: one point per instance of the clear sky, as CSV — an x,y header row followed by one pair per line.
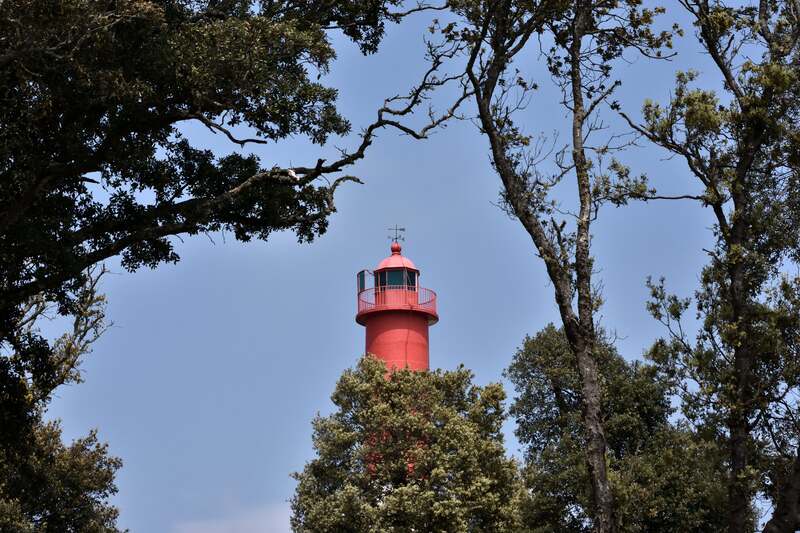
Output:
x,y
208,381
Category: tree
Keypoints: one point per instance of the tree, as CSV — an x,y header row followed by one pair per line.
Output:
x,y
46,486
664,477
94,163
588,37
742,145
411,451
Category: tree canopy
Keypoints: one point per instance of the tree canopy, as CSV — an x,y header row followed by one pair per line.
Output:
x,y
741,143
411,451
587,39
45,485
665,477
737,134
95,163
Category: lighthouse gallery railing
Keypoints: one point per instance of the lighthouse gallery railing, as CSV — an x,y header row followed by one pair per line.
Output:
x,y
397,297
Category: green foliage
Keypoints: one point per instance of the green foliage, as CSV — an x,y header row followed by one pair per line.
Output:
x,y
739,373
45,486
93,93
32,368
411,451
586,40
94,163
665,479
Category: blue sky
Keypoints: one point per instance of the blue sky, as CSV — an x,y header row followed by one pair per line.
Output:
x,y
207,383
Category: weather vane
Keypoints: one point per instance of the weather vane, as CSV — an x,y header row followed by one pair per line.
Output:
x,y
397,233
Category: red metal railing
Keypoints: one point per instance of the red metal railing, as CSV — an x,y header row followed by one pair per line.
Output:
x,y
397,297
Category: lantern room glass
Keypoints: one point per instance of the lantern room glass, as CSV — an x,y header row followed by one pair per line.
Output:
x,y
396,279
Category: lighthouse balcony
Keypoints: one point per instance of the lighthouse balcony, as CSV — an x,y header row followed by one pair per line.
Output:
x,y
397,298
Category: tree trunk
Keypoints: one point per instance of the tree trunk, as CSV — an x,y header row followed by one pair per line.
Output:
x,y
738,491
584,333
603,498
579,327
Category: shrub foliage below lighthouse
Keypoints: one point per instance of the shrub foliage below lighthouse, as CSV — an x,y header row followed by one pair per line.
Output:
x,y
408,451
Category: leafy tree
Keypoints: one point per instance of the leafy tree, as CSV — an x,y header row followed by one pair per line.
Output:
x,y
95,163
742,145
664,478
46,486
93,160
408,451
588,37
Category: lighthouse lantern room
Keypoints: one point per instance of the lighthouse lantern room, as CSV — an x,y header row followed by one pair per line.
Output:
x,y
396,312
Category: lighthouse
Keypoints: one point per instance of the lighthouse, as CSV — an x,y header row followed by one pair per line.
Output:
x,y
396,312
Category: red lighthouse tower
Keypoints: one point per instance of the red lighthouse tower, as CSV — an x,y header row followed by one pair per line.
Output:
x,y
396,311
